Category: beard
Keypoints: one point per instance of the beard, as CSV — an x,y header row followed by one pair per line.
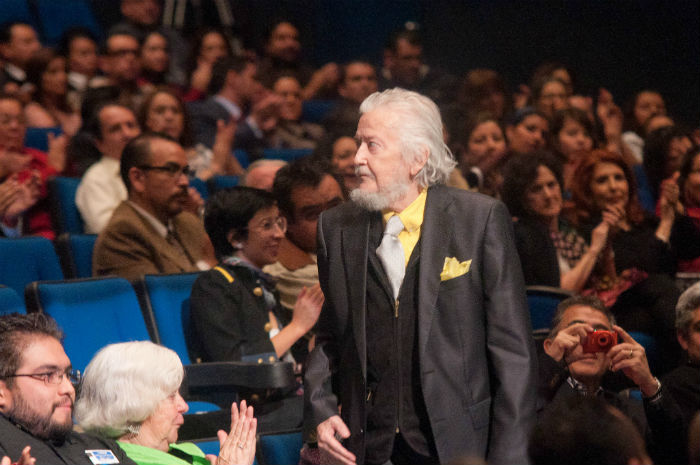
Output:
x,y
382,199
43,427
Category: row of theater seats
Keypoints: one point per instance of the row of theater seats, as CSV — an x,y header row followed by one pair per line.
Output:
x,y
94,312
66,217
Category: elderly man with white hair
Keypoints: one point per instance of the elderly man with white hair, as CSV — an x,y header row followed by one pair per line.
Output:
x,y
424,338
130,393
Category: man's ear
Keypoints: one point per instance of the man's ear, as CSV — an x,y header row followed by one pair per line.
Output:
x,y
419,162
682,340
4,396
137,179
547,344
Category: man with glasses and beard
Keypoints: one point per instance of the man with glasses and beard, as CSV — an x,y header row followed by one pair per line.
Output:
x,y
37,396
156,230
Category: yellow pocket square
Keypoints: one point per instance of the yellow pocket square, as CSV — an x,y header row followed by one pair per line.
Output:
x,y
453,268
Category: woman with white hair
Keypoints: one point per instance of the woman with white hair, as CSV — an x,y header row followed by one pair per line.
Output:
x,y
130,392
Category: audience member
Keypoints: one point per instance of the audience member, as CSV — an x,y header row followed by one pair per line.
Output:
x,y
29,170
303,189
208,46
37,396
234,85
683,383
643,293
261,174
403,66
481,153
119,61
343,153
50,107
358,79
586,430
79,46
282,56
140,18
154,62
290,132
685,235
552,253
571,135
549,95
554,70
131,393
154,230
574,363
18,42
235,310
484,91
163,111
664,149
101,189
527,131
642,107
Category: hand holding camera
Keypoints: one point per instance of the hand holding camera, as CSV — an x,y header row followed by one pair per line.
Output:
x,y
630,357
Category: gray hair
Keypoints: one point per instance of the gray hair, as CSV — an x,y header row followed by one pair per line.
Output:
x,y
688,302
590,301
123,385
419,127
257,164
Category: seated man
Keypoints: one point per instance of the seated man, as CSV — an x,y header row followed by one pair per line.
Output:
x,y
683,383
18,42
37,396
261,174
101,189
155,230
566,370
303,190
586,430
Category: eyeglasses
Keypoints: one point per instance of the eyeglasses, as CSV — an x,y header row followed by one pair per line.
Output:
x,y
173,169
269,224
53,377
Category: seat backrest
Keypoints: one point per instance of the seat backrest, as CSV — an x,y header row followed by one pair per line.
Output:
x,y
64,211
279,448
288,155
314,110
27,259
91,312
216,183
242,157
543,301
201,187
167,299
38,138
10,301
75,254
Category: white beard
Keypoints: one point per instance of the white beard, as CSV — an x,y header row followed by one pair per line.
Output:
x,y
376,201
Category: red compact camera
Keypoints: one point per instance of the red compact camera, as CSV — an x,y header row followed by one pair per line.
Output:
x,y
599,340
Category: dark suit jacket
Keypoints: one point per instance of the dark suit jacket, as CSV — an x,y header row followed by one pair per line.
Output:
x,y
130,247
477,362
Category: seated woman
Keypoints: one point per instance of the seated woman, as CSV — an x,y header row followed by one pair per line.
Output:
x,y
235,309
49,106
549,95
551,252
484,90
130,392
154,58
638,111
163,111
482,153
527,131
642,296
685,236
209,45
571,135
663,154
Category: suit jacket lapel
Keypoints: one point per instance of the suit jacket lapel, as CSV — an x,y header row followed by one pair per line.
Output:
x,y
434,249
160,244
355,249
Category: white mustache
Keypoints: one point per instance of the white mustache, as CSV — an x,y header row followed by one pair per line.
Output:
x,y
363,171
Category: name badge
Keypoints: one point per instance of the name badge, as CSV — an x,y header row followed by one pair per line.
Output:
x,y
101,456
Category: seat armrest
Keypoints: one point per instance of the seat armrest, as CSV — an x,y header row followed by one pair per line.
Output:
x,y
239,375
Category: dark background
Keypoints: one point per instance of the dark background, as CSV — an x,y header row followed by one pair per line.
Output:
x,y
623,45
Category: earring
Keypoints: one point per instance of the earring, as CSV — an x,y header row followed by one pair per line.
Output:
x,y
133,428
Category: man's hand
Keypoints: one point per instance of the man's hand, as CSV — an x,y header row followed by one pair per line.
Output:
x,y
566,341
265,112
332,451
630,357
25,459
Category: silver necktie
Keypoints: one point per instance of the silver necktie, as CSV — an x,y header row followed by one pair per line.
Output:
x,y
391,254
